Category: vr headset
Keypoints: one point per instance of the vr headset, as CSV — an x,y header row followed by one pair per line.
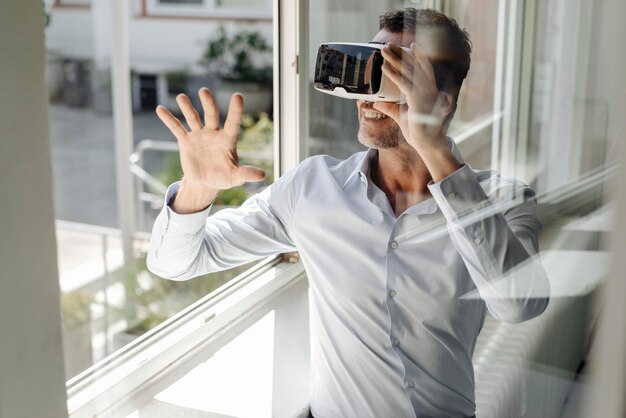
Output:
x,y
353,71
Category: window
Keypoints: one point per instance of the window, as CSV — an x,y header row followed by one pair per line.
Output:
x,y
513,111
534,106
109,298
231,9
333,122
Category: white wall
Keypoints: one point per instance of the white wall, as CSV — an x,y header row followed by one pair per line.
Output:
x,y
32,383
164,44
70,33
156,44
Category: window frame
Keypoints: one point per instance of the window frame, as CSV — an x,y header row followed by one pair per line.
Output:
x,y
123,381
72,4
208,9
126,378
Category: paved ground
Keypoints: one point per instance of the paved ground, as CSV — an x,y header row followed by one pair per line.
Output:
x,y
83,162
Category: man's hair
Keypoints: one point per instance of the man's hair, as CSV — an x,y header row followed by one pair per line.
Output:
x,y
452,44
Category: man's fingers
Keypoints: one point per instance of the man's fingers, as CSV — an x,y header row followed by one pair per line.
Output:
x,y
191,116
408,64
424,62
247,173
173,124
397,62
235,114
209,107
404,84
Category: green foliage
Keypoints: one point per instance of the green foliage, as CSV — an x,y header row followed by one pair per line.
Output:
x,y
76,308
172,171
46,15
177,81
154,299
233,197
234,57
257,134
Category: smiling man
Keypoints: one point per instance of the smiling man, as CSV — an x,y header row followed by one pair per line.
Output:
x,y
395,313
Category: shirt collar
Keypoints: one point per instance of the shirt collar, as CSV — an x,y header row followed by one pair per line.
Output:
x,y
363,165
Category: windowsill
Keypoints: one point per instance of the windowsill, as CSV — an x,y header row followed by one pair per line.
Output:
x,y
241,370
208,324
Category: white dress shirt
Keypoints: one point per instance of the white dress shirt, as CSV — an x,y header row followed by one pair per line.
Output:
x,y
393,322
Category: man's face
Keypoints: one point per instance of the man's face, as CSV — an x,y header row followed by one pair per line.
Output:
x,y
375,129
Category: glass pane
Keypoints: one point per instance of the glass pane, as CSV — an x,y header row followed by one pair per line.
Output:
x,y
333,123
108,302
557,136
477,94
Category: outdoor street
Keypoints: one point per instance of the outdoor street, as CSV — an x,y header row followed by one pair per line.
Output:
x,y
83,162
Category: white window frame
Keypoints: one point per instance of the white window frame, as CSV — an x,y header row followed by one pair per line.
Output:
x,y
209,9
126,379
72,3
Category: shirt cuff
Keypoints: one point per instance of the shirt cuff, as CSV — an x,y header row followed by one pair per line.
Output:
x,y
185,223
459,193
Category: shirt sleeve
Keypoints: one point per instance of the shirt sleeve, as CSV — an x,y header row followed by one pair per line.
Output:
x,y
497,237
185,246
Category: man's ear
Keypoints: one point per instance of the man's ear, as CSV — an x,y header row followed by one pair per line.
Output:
x,y
447,103
448,109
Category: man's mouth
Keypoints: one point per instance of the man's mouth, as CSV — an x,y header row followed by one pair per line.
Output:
x,y
373,115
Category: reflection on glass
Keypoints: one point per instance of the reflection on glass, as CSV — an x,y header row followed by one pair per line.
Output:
x,y
539,114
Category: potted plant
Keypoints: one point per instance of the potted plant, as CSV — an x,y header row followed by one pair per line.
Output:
x,y
76,315
243,64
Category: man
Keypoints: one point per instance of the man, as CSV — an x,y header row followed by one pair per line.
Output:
x,y
395,313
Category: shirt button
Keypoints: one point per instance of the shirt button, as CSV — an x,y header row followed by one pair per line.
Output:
x,y
394,245
392,293
477,241
451,195
396,342
410,384
362,178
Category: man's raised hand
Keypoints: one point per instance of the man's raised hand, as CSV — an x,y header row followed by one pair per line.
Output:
x,y
208,154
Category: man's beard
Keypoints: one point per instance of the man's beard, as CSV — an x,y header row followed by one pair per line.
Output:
x,y
390,136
